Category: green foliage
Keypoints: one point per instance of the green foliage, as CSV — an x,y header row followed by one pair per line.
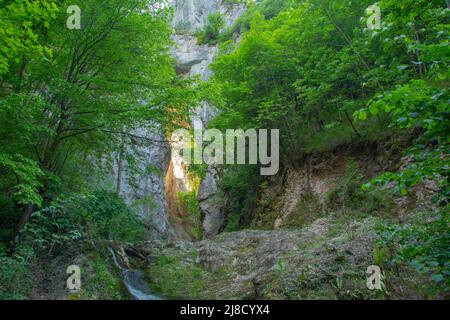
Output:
x,y
417,43
62,225
169,277
233,222
103,284
106,216
189,201
296,71
240,185
27,173
15,276
22,25
305,67
63,113
210,33
96,216
70,99
424,246
418,105
50,230
198,170
20,117
414,104
269,8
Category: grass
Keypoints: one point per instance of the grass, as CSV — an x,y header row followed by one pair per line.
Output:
x,y
101,281
172,277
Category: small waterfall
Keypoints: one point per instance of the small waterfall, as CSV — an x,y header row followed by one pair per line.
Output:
x,y
134,281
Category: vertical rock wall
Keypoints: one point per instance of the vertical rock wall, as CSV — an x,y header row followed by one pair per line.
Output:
x,y
142,184
151,185
194,59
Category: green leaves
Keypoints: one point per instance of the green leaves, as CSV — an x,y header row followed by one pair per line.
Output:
x,y
100,215
437,277
362,115
69,99
417,104
305,68
423,245
210,33
22,22
27,174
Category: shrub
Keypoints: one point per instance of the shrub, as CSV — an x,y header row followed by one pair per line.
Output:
x,y
106,216
100,215
240,184
103,284
210,33
424,246
189,200
169,276
50,230
15,276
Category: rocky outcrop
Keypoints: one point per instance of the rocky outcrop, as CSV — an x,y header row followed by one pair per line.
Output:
x,y
193,59
325,260
308,190
212,203
142,183
310,248
193,14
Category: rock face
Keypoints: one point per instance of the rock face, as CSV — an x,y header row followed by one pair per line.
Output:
x,y
290,264
212,203
142,185
193,59
280,264
193,14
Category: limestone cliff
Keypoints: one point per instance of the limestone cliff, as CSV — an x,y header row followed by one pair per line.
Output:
x,y
141,183
193,59
152,183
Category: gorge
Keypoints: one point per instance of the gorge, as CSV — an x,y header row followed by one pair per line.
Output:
x,y
318,148
171,178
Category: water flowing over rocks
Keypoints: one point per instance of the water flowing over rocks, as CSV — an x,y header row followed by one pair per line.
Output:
x,y
133,280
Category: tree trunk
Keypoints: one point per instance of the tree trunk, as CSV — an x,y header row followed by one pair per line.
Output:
x,y
23,221
352,124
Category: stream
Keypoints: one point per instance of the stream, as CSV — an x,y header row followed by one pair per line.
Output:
x,y
134,282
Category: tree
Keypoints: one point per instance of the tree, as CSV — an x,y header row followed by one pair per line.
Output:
x,y
78,102
23,24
